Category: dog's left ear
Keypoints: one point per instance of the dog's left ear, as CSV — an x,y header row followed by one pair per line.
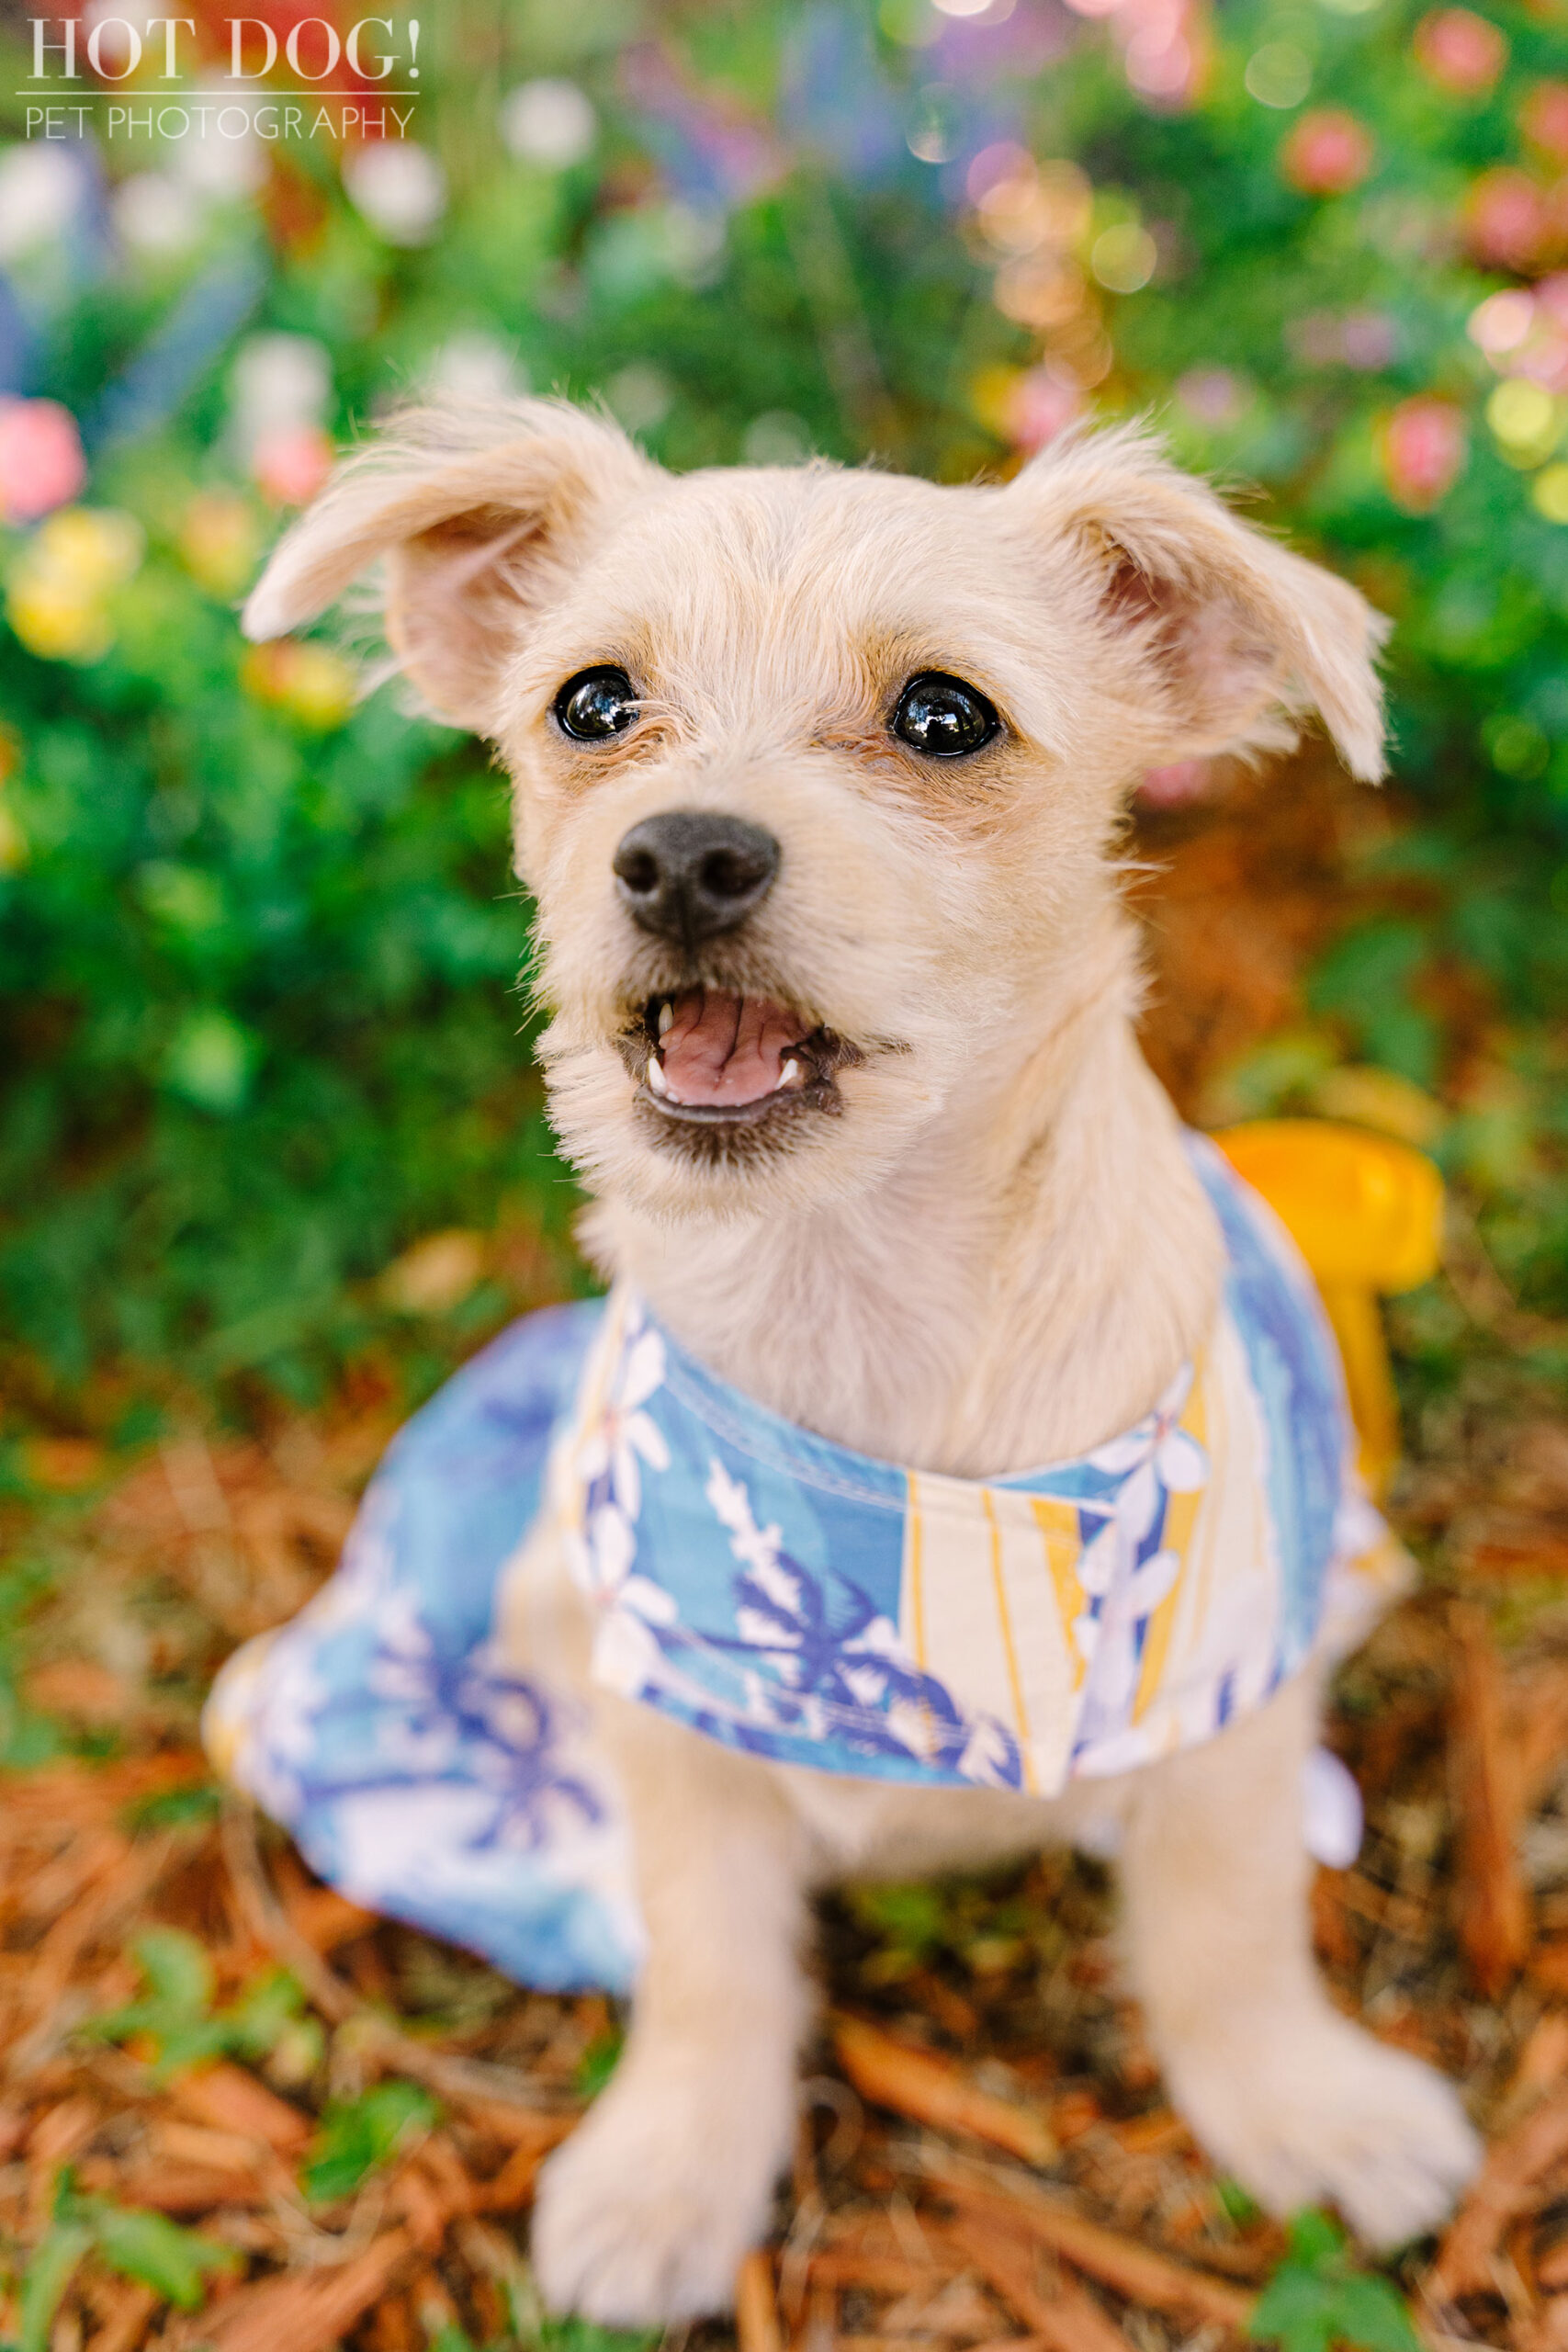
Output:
x,y
1235,638
476,516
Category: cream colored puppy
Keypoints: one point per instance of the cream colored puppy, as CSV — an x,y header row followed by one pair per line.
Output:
x,y
836,764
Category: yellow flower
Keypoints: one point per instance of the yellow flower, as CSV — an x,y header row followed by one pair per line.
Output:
x,y
13,842
1527,421
1549,493
56,621
60,584
312,684
218,541
90,549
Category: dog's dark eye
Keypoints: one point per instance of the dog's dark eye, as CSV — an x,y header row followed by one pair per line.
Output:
x,y
596,703
943,716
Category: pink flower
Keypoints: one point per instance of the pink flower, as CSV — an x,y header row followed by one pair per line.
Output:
x,y
1551,298
1424,446
1039,405
1508,218
1175,786
1213,395
291,462
1543,118
1461,52
42,464
1327,153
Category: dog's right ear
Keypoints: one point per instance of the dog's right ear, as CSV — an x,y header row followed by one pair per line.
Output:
x,y
477,516
1237,638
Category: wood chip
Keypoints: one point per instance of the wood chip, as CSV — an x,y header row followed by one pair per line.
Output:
x,y
306,2312
932,2090
181,2190
1062,2314
129,2310
1548,2331
1159,2134
879,2273
1484,1784
325,1918
1505,2188
757,2327
197,2143
1538,1726
1543,2061
229,2099
512,2186
1137,2272
535,2128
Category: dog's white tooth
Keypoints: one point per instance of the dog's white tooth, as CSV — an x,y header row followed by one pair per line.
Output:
x,y
655,1078
666,1017
790,1075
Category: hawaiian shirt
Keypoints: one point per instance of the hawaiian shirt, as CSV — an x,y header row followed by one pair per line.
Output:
x,y
788,1598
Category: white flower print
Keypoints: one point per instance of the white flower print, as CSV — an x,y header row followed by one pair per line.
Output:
x,y
609,1468
1111,1640
625,1434
755,1547
1159,1457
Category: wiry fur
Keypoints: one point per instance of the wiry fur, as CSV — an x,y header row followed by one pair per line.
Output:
x,y
995,1255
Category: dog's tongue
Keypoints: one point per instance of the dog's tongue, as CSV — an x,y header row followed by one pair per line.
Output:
x,y
725,1048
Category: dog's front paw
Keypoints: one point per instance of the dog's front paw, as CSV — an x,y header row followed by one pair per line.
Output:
x,y
1316,2111
642,2218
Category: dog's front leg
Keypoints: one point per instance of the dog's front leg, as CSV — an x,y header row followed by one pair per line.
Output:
x,y
645,2213
1295,2100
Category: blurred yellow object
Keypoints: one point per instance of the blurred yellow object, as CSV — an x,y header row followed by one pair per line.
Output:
x,y
58,586
55,621
219,540
90,548
310,681
1366,1213
1368,1097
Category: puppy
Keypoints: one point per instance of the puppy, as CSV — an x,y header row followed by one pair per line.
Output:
x,y
818,781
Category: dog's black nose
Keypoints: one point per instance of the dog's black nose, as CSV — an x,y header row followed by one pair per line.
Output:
x,y
688,875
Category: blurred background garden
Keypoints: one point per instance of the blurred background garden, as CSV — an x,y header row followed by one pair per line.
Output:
x,y
258,943
273,1152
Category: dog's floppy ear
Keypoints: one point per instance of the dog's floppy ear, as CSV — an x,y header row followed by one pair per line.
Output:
x,y
1240,638
477,513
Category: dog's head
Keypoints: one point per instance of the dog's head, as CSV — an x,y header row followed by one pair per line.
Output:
x,y
817,773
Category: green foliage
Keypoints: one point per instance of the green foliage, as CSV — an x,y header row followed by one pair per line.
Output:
x,y
49,2273
172,1808
175,2012
1237,2204
1316,2299
130,2239
150,2248
258,949
598,2062
982,1925
574,2335
356,2135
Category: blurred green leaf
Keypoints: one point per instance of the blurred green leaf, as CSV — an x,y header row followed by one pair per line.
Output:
x,y
149,2247
356,2135
176,2014
1316,2300
598,2062
51,2268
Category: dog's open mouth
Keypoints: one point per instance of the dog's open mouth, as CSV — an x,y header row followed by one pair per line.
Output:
x,y
718,1059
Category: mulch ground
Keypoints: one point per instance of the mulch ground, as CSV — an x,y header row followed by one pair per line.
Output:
x,y
986,2154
